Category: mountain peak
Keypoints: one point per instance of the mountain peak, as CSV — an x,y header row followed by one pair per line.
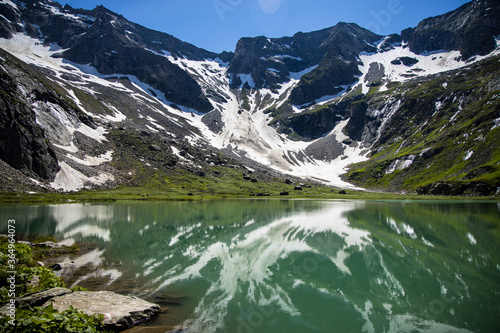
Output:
x,y
330,54
112,45
470,29
343,91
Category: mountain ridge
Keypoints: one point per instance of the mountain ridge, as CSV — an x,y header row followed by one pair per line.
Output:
x,y
311,105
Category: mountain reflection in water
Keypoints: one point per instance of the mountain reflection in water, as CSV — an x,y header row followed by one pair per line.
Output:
x,y
291,265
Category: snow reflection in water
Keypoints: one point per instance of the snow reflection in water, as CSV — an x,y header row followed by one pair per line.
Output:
x,y
292,265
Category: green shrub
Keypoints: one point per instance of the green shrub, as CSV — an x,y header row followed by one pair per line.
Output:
x,y
43,239
49,320
38,319
25,268
21,252
47,279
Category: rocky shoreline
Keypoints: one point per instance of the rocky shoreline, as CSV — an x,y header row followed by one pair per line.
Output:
x,y
120,312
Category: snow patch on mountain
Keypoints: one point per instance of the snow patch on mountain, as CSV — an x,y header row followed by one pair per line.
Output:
x,y
329,172
246,79
93,160
69,179
400,164
249,135
117,117
298,75
425,63
32,50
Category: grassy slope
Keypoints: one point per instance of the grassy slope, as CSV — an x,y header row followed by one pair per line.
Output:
x,y
187,186
469,104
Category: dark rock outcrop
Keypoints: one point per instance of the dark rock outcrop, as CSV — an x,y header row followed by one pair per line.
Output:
x,y
456,188
390,42
407,61
213,120
23,143
357,120
326,80
326,149
338,65
469,29
271,60
375,74
324,121
113,45
9,26
333,51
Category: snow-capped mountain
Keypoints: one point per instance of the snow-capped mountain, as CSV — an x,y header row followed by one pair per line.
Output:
x,y
81,88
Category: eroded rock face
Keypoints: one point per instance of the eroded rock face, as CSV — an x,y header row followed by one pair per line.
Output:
x,y
112,45
324,121
457,188
469,29
120,312
23,143
330,56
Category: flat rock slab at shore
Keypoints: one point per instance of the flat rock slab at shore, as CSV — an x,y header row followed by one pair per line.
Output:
x,y
156,329
39,298
120,312
35,299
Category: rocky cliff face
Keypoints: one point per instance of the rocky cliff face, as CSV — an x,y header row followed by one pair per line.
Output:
x,y
90,99
112,45
339,65
23,143
327,58
470,29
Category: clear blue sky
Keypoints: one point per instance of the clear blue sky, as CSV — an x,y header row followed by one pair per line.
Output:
x,y
216,25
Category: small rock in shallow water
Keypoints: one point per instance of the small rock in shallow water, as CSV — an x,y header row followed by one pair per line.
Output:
x,y
62,265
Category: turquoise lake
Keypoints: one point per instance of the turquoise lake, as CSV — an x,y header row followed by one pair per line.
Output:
x,y
287,265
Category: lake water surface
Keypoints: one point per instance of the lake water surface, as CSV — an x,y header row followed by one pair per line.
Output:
x,y
288,265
